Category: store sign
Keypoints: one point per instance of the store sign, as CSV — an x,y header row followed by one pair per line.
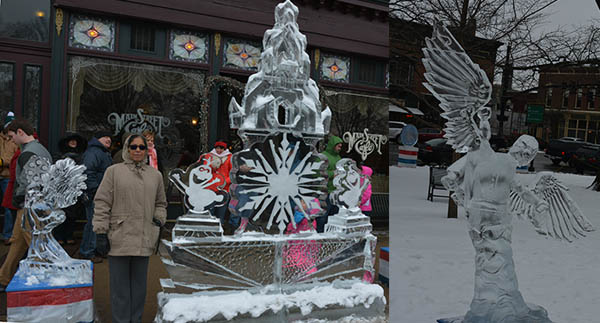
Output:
x,y
138,122
535,113
364,143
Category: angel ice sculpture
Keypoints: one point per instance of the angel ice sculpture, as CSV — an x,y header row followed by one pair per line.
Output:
x,y
52,188
482,182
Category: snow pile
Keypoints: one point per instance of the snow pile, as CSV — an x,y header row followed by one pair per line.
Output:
x,y
203,307
432,258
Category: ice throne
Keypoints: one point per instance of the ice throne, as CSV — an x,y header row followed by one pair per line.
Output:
x,y
280,120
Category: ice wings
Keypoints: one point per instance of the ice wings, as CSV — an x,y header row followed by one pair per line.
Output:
x,y
460,85
562,220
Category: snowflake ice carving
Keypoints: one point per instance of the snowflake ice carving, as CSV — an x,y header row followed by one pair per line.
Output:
x,y
277,175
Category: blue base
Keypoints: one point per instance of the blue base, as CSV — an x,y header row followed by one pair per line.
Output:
x,y
18,284
457,319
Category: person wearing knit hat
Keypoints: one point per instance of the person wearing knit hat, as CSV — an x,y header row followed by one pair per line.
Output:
x,y
219,160
96,159
7,151
10,116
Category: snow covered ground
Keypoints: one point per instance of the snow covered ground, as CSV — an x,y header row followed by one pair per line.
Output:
x,y
432,259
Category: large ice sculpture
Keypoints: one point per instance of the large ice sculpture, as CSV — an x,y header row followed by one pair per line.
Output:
x,y
277,181
483,181
51,188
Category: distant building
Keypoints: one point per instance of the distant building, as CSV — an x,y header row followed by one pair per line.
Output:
x,y
570,97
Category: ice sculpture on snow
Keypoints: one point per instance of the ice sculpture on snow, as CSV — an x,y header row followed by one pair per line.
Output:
x,y
274,179
51,188
483,182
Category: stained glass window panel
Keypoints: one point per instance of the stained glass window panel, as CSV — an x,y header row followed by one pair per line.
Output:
x,y
335,68
7,88
32,99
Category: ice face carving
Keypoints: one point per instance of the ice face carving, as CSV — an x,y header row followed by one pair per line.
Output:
x,y
51,188
281,96
483,182
350,185
195,182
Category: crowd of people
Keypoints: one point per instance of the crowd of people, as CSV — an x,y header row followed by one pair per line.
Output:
x,y
124,204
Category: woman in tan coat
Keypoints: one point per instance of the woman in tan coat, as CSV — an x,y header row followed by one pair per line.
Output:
x,y
130,207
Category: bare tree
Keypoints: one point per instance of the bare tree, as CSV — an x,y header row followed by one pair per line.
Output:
x,y
515,23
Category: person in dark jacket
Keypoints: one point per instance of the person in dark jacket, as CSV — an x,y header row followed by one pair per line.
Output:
x,y
96,159
73,145
332,153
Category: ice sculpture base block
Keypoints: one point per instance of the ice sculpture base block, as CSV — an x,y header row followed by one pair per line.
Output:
x,y
253,260
321,301
30,299
197,227
536,314
348,223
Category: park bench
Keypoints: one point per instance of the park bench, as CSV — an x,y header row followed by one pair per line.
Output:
x,y
435,181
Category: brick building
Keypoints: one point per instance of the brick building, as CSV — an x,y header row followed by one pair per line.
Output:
x,y
570,97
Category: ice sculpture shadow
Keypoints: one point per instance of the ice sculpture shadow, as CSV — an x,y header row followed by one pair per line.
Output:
x,y
51,188
483,182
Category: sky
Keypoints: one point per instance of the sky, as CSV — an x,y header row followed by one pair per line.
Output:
x,y
572,12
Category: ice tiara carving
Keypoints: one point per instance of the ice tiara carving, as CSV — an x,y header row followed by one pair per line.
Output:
x,y
484,182
51,188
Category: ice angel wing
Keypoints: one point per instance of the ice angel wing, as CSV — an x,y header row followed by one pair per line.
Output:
x,y
563,219
460,85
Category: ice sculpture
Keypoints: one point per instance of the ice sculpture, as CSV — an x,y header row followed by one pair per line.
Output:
x,y
274,178
196,183
52,188
483,181
350,185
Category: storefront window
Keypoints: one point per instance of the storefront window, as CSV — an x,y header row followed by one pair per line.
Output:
x,y
25,19
32,91
7,88
129,97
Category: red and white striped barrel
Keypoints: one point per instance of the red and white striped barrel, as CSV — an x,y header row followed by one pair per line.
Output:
x,y
407,156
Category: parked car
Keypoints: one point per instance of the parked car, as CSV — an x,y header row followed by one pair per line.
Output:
x,y
435,151
586,157
562,149
426,134
395,129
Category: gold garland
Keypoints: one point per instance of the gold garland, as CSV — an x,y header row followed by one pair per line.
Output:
x,y
217,43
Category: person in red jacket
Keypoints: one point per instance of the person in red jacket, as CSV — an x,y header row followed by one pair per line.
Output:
x,y
219,160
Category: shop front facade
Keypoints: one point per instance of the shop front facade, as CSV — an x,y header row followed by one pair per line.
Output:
x,y
128,66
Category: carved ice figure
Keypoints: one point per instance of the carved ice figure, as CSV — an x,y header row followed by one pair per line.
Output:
x,y
483,181
282,86
198,179
51,188
348,188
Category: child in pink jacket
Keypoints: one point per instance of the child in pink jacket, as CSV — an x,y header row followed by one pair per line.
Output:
x,y
365,204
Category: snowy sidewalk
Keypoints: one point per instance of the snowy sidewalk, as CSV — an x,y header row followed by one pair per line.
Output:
x,y
432,259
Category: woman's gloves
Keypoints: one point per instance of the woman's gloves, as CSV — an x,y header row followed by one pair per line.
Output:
x,y
102,244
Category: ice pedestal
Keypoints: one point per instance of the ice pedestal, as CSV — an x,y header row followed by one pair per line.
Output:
x,y
196,226
324,301
257,260
348,223
60,298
